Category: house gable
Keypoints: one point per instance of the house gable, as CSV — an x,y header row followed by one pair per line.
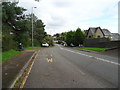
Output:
x,y
95,31
99,33
89,34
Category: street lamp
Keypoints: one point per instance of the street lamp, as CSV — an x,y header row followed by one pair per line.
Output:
x,y
32,26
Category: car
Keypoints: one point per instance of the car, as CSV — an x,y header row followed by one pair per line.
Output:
x,y
65,44
80,45
72,45
45,44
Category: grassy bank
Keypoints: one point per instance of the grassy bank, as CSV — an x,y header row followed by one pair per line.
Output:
x,y
92,49
32,47
12,53
9,54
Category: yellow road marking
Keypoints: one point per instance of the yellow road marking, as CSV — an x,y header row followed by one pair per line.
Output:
x,y
28,72
49,60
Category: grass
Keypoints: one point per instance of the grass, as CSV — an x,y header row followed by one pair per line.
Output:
x,y
9,54
32,47
4,56
0,57
93,49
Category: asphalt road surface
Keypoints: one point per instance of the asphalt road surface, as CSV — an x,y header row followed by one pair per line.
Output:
x,y
62,67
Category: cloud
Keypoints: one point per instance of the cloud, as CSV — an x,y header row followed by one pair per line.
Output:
x,y
56,22
61,3
65,15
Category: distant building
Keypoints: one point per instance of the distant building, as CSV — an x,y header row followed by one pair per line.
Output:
x,y
97,32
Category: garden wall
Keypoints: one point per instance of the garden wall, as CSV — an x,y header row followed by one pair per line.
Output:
x,y
101,43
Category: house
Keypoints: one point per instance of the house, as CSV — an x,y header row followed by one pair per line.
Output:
x,y
115,36
107,33
97,32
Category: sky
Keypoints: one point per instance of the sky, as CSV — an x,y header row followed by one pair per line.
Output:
x,y
65,15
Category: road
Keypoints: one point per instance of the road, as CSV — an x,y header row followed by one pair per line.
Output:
x,y
62,67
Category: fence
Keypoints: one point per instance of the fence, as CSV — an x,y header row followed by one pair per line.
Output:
x,y
101,43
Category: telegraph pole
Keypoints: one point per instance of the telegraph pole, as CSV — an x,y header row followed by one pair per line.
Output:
x,y
32,28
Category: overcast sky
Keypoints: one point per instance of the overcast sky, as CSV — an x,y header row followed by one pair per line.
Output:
x,y
65,15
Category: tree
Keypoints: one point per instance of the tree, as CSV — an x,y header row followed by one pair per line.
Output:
x,y
70,38
39,32
79,37
15,22
63,36
58,35
12,16
49,39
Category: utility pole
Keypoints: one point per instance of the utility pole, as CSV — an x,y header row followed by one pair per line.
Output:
x,y
32,28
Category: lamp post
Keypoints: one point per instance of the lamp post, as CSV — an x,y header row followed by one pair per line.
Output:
x,y
32,27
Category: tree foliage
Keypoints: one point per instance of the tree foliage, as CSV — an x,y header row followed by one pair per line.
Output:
x,y
70,37
48,39
79,37
17,27
76,37
63,36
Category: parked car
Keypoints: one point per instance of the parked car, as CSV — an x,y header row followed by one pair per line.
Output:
x,y
80,45
65,44
45,44
72,45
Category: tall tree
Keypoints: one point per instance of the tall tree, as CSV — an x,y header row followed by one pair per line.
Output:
x,y
17,27
12,15
39,31
79,37
63,36
70,37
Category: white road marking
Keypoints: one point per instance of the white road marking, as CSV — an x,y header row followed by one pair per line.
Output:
x,y
100,59
81,72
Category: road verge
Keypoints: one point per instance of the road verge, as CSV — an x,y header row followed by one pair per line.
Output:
x,y
24,72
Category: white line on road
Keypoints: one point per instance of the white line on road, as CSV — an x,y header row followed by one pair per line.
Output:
x,y
100,59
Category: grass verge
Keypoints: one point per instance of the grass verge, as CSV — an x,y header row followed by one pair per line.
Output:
x,y
32,47
9,54
12,53
92,49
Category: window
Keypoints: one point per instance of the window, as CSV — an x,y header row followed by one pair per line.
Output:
x,y
98,36
89,36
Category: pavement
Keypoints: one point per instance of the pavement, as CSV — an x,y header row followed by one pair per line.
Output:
x,y
112,52
62,67
11,68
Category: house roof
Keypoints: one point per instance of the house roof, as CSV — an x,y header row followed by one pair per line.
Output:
x,y
115,36
94,29
86,31
106,32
